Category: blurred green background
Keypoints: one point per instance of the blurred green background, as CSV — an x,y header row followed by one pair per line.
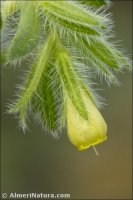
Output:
x,y
35,162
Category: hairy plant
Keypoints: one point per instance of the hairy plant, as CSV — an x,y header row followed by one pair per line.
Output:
x,y
68,43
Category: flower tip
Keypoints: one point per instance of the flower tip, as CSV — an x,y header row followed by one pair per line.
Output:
x,y
82,147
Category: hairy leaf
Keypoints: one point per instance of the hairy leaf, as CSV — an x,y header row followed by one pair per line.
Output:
x,y
48,100
27,34
76,17
33,81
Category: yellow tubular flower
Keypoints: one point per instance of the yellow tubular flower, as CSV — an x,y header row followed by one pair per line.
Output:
x,y
85,133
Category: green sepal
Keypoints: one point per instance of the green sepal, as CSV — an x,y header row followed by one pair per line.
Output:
x,y
70,81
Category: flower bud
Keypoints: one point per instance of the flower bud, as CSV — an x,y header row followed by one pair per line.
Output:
x,y
85,133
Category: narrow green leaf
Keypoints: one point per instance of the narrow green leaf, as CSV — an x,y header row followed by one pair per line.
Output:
x,y
33,81
77,27
100,55
76,17
48,102
85,54
107,53
27,34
